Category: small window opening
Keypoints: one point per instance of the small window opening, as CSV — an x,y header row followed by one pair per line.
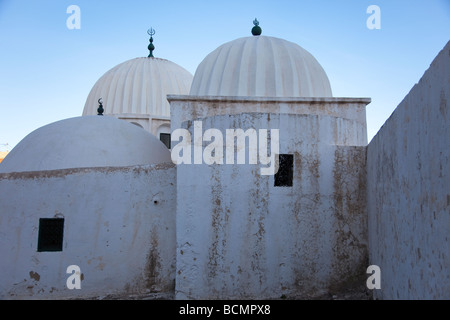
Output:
x,y
50,236
284,176
165,138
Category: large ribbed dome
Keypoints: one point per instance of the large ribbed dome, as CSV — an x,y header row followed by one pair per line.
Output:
x,y
80,142
139,86
260,66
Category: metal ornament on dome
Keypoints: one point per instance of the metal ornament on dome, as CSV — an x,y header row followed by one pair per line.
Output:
x,y
100,109
151,32
256,30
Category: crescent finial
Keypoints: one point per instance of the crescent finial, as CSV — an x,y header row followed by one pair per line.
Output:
x,y
256,30
151,32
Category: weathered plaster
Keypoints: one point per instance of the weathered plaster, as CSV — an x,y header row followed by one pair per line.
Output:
x,y
119,229
409,190
238,236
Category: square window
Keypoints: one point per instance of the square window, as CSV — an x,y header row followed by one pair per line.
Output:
x,y
284,176
165,138
50,236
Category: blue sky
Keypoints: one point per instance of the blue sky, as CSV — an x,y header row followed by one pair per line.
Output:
x,y
47,70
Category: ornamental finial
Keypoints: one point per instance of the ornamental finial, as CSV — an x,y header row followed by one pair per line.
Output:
x,y
151,47
100,109
256,30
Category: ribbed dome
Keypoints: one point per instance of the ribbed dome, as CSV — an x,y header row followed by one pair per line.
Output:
x,y
89,141
139,86
260,66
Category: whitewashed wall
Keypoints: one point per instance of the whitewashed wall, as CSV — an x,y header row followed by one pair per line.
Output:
x,y
409,191
119,229
238,236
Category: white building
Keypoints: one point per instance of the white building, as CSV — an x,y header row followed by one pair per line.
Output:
x,y
241,234
104,195
136,91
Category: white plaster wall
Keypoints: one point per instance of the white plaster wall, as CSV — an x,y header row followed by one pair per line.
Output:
x,y
346,116
119,229
238,236
149,123
142,120
163,128
409,191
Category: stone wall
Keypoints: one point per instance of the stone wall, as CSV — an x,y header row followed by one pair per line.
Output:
x,y
119,228
239,236
408,191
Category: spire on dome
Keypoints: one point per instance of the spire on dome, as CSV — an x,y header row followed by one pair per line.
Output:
x,y
151,47
100,109
256,30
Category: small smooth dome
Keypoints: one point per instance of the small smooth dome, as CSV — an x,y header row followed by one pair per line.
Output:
x,y
88,141
139,86
260,66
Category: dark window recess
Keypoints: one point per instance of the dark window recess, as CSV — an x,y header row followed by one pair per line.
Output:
x,y
50,236
284,176
165,138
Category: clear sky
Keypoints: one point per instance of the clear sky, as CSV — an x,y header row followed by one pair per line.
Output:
x,y
47,69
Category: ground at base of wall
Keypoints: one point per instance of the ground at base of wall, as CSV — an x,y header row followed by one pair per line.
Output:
x,y
348,294
345,295
351,293
352,290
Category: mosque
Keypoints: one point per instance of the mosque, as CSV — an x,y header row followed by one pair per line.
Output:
x,y
101,191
